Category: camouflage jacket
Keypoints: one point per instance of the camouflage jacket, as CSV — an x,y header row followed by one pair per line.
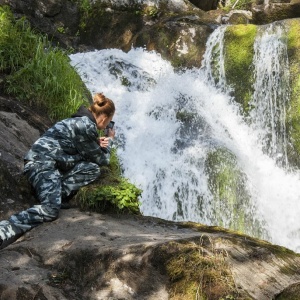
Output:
x,y
70,141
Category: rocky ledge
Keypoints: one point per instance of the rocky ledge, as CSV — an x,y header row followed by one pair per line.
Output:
x,y
85,255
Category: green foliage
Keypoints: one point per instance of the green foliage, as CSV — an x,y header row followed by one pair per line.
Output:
x,y
61,29
37,72
86,10
151,11
239,4
121,195
49,80
16,41
112,192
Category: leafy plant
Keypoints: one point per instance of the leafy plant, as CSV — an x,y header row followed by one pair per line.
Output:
x,y
122,195
61,29
111,192
151,11
16,41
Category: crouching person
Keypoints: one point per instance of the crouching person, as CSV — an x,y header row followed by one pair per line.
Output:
x,y
66,157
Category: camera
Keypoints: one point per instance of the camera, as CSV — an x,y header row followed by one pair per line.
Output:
x,y
109,126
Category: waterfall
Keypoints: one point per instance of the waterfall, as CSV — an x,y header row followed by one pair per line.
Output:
x,y
179,135
271,90
213,59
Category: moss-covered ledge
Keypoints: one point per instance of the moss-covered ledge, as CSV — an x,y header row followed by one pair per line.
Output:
x,y
239,52
148,258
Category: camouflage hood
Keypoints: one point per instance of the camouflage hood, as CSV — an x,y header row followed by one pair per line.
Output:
x,y
84,112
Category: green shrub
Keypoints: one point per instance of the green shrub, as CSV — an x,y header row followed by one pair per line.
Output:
x,y
111,193
38,72
16,41
121,197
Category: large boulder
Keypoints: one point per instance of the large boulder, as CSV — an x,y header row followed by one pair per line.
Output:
x,y
94,256
275,11
20,127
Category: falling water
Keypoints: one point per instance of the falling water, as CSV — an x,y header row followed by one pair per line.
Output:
x,y
213,59
169,123
271,90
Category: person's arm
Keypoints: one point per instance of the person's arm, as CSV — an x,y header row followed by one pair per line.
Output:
x,y
88,145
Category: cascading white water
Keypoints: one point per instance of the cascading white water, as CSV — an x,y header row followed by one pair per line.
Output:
x,y
271,90
167,159
213,59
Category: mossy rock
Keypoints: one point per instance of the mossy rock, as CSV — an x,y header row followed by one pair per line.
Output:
x,y
179,40
103,27
231,199
290,293
239,52
293,113
194,271
276,12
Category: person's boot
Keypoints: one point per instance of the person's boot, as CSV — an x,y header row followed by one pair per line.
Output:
x,y
65,200
9,233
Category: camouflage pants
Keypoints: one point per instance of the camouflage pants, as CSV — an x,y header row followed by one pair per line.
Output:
x,y
50,186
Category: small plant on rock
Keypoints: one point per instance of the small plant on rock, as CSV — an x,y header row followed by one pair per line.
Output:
x,y
112,192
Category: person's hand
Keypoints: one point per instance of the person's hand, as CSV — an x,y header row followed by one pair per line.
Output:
x,y
103,141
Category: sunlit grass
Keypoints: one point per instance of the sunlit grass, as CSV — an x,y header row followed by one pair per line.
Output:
x,y
36,71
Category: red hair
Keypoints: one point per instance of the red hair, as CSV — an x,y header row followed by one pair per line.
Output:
x,y
102,105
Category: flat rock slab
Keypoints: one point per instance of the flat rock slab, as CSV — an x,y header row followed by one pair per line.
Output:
x,y
111,257
29,266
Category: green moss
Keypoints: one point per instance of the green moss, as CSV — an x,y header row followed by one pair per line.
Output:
x,y
293,114
195,272
248,242
239,41
231,201
150,11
